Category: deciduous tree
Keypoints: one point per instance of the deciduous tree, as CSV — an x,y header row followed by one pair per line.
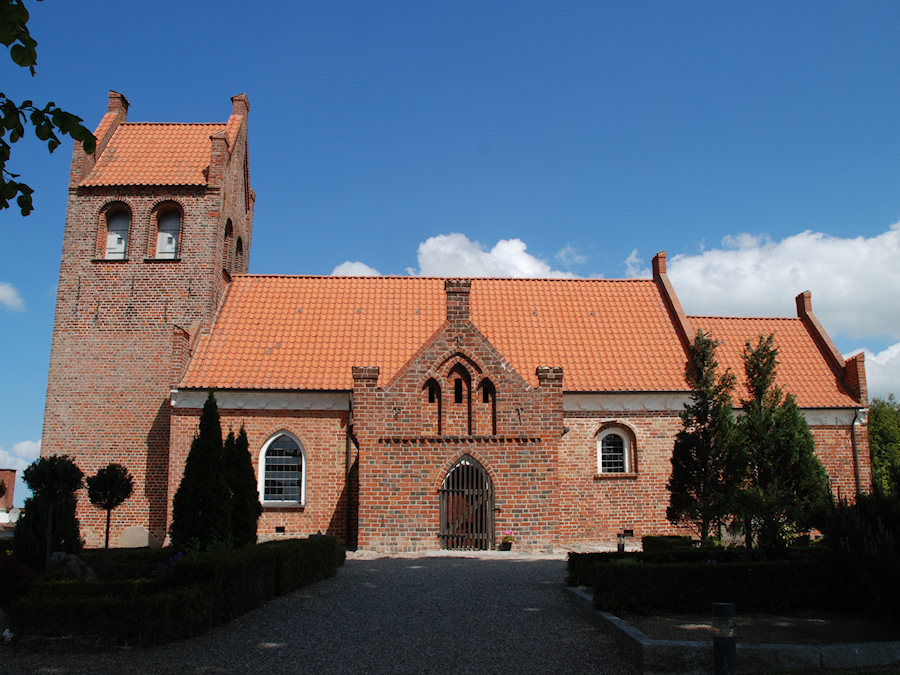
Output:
x,y
48,120
49,514
108,489
884,442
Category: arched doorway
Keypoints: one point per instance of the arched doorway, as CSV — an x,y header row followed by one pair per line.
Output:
x,y
467,507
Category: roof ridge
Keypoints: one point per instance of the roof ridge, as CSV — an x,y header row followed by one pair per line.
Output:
x,y
174,124
434,278
743,318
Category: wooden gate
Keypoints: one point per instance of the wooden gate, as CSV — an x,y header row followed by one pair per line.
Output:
x,y
467,507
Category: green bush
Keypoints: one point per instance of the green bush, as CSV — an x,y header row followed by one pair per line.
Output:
x,y
687,588
665,542
15,578
125,563
186,596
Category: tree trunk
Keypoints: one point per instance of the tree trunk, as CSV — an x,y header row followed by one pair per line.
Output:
x,y
49,543
108,513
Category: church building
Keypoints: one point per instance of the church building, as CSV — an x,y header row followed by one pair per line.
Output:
x,y
397,413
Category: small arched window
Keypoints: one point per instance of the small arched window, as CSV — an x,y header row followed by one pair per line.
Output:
x,y
117,225
431,407
615,451
487,408
227,246
239,256
168,233
282,475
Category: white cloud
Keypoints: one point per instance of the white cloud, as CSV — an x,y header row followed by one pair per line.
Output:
x,y
569,256
636,267
854,281
10,298
354,268
447,255
22,454
883,371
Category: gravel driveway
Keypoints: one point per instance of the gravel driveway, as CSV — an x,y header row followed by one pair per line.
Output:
x,y
490,614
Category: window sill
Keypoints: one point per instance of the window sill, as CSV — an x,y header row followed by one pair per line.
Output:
x,y
109,260
282,506
162,260
631,475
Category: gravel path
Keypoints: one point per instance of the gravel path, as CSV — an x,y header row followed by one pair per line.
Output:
x,y
387,615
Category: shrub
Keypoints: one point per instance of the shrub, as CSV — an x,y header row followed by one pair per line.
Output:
x,y
665,542
190,595
773,586
15,578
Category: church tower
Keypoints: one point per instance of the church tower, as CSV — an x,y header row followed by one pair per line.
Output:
x,y
159,218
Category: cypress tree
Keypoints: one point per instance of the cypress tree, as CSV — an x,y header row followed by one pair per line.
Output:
x,y
245,506
786,485
201,510
706,466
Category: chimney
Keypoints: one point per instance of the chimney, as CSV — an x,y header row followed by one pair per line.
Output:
x,y
457,299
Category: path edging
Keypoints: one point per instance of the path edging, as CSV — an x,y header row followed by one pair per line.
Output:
x,y
673,656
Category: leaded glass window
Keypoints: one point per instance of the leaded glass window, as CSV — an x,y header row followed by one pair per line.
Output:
x,y
612,454
283,477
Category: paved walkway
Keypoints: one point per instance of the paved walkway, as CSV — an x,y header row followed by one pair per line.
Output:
x,y
491,614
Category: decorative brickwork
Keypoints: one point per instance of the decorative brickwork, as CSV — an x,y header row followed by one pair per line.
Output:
x,y
386,384
120,337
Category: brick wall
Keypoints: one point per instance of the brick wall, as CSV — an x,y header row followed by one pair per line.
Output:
x,y
120,330
323,436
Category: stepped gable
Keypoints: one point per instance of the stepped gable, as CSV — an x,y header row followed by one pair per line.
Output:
x,y
802,370
301,332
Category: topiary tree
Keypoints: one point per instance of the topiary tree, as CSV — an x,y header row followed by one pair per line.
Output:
x,y
245,506
48,521
786,485
109,488
201,510
706,463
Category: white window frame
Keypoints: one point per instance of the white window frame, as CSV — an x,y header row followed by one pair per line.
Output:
x,y
122,217
261,477
627,450
163,251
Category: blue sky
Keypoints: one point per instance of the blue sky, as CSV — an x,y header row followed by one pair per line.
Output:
x,y
755,142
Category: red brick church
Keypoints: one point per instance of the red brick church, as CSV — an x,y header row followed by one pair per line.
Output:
x,y
397,413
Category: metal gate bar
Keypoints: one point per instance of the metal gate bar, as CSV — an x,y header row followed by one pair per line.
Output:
x,y
467,507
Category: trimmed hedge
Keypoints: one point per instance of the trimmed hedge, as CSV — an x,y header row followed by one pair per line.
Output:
x,y
187,597
777,586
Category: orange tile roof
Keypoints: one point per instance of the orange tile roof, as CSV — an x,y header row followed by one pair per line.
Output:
x,y
156,154
802,370
297,332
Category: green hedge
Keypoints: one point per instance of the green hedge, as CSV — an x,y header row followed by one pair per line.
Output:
x,y
186,597
778,586
583,568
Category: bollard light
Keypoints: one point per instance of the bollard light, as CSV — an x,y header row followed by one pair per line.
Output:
x,y
724,641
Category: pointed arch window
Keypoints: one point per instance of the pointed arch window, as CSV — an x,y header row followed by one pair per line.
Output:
x,y
282,471
431,407
487,407
460,412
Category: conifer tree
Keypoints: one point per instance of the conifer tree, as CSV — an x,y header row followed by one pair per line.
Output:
x,y
245,506
786,484
201,510
706,467
884,440
108,489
